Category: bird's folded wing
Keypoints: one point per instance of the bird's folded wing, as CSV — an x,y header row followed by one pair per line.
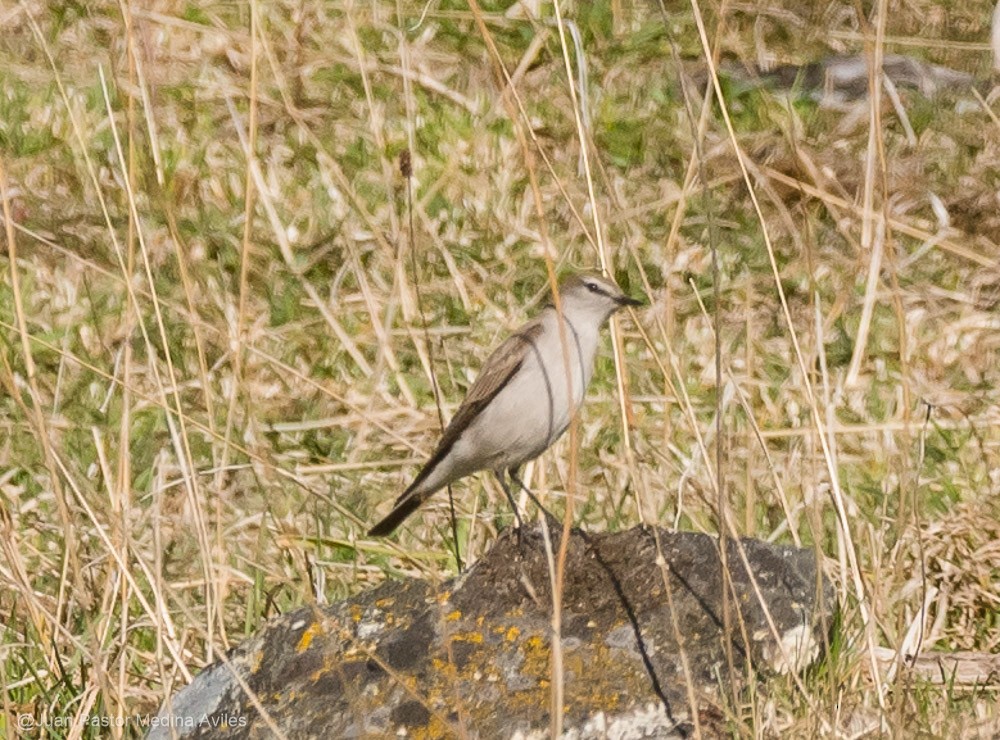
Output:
x,y
497,371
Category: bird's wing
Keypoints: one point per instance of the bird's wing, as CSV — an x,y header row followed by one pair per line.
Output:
x,y
497,371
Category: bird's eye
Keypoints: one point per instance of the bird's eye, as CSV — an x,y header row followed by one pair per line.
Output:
x,y
593,287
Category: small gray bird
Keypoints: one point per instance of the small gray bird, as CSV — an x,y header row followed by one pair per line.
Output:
x,y
520,403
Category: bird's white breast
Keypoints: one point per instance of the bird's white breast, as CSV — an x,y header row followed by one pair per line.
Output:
x,y
537,404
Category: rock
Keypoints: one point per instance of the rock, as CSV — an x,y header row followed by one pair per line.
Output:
x,y
472,656
841,80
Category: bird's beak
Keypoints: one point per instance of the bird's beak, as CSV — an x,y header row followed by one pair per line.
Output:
x,y
629,301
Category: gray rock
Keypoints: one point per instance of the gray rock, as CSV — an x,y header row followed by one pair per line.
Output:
x,y
472,656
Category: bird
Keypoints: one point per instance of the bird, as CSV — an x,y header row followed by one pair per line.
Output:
x,y
521,402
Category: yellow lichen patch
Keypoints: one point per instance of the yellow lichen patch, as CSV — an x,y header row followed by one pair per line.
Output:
x,y
454,616
535,642
307,637
604,688
591,681
386,602
536,657
434,728
512,634
474,637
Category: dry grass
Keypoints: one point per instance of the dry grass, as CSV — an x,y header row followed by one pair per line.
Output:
x,y
215,370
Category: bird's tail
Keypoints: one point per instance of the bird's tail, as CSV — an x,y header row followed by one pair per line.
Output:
x,y
414,495
407,504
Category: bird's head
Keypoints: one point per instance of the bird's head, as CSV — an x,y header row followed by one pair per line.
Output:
x,y
590,294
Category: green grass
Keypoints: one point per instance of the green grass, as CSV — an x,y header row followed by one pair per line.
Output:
x,y
296,404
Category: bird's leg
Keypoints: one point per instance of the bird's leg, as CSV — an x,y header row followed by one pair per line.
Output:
x,y
513,504
515,475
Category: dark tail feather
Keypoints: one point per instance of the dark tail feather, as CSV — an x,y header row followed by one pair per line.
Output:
x,y
406,506
408,502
